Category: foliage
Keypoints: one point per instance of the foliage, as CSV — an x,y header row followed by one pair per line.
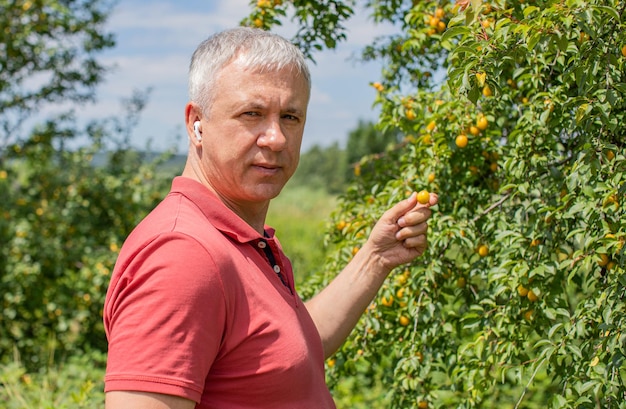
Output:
x,y
77,383
47,55
62,221
322,168
320,23
365,143
519,301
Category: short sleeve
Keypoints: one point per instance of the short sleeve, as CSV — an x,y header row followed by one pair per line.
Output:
x,y
164,317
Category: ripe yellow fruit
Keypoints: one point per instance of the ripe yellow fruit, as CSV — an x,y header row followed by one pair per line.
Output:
x,y
433,21
461,141
624,51
604,260
410,114
387,302
482,123
481,77
439,13
441,26
431,177
355,250
404,320
522,291
487,91
401,280
258,23
483,250
610,155
422,404
431,126
330,362
528,315
532,297
423,197
611,200
378,86
461,282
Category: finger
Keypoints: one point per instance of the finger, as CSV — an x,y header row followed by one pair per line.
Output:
x,y
416,216
412,231
400,209
417,242
434,199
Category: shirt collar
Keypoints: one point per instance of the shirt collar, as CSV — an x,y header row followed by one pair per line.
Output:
x,y
220,216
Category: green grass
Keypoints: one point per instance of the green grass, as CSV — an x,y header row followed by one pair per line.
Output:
x,y
77,383
300,216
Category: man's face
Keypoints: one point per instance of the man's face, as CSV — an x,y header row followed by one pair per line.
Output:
x,y
252,133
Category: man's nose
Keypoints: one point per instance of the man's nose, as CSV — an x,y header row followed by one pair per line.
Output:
x,y
272,136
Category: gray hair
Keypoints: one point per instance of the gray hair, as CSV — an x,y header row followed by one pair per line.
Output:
x,y
259,49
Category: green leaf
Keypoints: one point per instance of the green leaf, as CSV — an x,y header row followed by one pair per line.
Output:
x,y
529,10
607,10
533,40
453,32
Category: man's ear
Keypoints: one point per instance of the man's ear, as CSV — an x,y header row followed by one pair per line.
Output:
x,y
193,116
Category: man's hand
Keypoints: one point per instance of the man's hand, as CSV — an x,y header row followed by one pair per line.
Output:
x,y
401,233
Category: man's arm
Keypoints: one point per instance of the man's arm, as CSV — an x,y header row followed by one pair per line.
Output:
x,y
145,400
397,238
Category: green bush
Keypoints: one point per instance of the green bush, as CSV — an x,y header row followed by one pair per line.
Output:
x,y
77,383
62,221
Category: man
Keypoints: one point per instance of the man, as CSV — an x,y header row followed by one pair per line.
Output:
x,y
202,310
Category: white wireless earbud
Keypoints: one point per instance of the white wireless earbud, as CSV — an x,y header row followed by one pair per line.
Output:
x,y
196,130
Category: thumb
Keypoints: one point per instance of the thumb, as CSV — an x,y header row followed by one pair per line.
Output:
x,y
401,208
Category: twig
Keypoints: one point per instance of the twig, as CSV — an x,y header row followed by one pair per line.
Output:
x,y
529,382
493,206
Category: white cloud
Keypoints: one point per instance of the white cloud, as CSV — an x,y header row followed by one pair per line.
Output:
x,y
157,38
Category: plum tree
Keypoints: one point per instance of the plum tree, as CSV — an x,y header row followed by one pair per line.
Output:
x,y
540,180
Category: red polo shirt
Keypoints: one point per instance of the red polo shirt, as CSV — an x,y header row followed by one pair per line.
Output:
x,y
195,309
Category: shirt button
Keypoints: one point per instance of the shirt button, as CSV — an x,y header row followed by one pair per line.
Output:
x,y
262,244
277,268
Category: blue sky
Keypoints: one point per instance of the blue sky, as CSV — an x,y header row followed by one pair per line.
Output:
x,y
155,40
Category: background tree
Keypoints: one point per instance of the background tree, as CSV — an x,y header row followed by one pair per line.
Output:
x,y
62,219
520,299
48,55
365,142
322,168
